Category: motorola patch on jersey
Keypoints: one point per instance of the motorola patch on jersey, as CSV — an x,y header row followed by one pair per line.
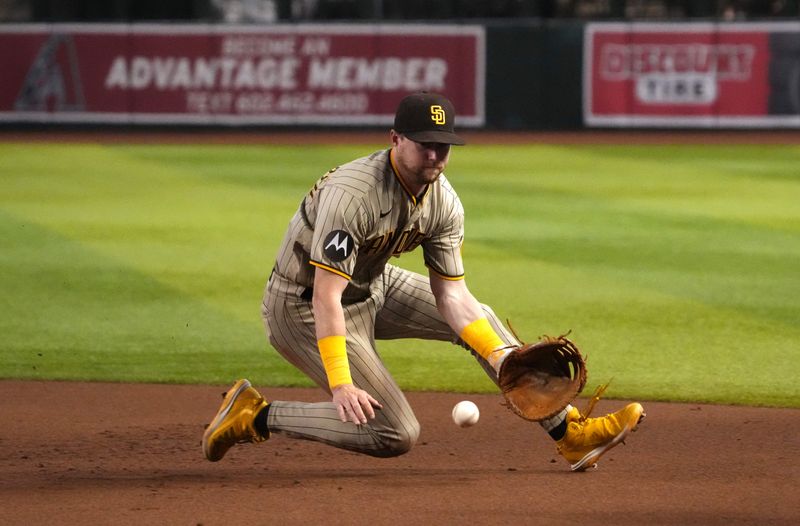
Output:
x,y
338,245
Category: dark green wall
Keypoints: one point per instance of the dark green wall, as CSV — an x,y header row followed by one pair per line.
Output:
x,y
533,76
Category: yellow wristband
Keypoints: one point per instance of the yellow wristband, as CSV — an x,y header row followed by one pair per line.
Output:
x,y
480,336
333,351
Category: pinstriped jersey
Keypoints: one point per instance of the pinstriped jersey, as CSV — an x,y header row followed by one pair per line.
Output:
x,y
359,215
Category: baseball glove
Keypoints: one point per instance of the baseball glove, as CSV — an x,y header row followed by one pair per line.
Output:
x,y
539,379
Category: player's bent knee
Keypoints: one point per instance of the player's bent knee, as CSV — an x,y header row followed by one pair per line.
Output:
x,y
399,441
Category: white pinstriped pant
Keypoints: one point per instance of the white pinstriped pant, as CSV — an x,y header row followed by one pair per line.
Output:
x,y
401,305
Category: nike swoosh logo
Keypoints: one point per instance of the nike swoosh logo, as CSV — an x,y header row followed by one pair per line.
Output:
x,y
384,214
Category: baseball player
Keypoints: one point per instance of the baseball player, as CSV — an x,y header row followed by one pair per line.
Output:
x,y
332,293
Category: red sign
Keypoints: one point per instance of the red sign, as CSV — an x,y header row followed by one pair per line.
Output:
x,y
676,74
231,74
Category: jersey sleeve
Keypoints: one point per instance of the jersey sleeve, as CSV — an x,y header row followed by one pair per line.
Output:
x,y
338,231
442,251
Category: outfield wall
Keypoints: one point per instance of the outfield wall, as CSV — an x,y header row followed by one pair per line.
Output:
x,y
521,76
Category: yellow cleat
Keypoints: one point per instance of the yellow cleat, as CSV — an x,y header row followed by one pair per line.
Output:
x,y
587,439
234,421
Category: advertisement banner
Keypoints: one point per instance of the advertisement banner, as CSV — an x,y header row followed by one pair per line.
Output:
x,y
683,75
211,74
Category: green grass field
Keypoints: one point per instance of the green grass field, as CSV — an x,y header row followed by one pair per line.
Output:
x,y
677,268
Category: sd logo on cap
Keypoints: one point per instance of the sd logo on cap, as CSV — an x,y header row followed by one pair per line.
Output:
x,y
427,117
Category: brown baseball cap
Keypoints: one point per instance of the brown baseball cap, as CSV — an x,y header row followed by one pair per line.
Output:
x,y
427,117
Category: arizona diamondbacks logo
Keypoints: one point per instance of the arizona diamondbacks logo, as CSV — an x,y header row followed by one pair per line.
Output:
x,y
338,245
53,82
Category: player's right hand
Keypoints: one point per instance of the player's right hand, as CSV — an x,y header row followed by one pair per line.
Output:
x,y
354,404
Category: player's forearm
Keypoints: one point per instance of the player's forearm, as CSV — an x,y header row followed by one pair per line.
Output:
x,y
330,327
465,316
328,317
459,309
327,304
456,303
330,330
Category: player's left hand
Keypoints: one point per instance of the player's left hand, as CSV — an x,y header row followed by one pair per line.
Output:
x,y
354,404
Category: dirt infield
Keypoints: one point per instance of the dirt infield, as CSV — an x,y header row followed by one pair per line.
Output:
x,y
94,453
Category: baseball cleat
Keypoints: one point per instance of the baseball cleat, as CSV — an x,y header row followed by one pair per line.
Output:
x,y
587,439
233,423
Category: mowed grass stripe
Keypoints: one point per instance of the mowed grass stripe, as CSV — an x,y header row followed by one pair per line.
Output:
x,y
661,268
72,313
203,237
112,230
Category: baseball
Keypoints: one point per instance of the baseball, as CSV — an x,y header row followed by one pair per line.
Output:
x,y
466,414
